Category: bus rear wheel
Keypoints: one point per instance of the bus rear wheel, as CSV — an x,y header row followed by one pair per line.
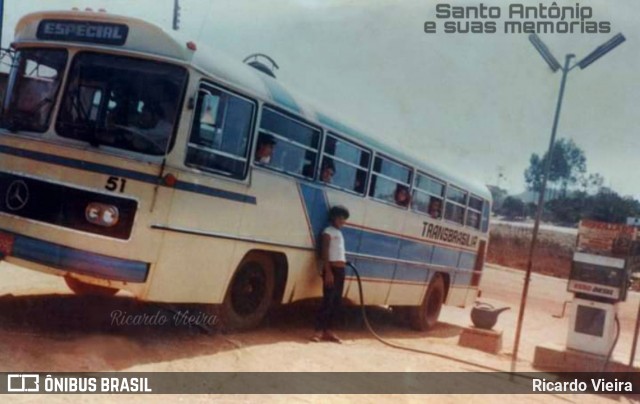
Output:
x,y
83,289
425,316
249,295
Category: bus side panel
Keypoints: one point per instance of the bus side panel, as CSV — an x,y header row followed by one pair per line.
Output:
x,y
191,269
463,277
409,284
279,214
195,262
377,274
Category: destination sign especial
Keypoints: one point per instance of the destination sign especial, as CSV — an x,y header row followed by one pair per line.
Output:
x,y
83,31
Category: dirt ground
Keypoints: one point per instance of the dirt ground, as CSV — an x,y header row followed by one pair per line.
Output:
x,y
44,328
509,246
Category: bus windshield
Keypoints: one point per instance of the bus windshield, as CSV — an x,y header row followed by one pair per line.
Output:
x,y
121,102
31,89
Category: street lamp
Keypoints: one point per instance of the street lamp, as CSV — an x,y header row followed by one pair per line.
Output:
x,y
555,66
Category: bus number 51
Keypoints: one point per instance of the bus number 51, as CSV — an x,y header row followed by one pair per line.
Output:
x,y
116,183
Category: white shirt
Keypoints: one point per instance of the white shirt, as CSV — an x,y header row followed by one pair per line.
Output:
x,y
336,247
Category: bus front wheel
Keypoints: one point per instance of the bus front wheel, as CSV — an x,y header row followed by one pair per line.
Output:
x,y
81,288
250,293
425,316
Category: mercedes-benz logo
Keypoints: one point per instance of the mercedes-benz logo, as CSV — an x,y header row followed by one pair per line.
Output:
x,y
17,195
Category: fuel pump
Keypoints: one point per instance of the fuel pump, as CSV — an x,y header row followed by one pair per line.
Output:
x,y
606,255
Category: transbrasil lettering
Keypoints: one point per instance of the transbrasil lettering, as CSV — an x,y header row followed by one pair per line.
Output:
x,y
440,233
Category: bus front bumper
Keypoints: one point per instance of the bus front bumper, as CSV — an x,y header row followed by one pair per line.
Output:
x,y
72,259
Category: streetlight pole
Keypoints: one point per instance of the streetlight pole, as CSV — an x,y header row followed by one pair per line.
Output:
x,y
536,225
554,65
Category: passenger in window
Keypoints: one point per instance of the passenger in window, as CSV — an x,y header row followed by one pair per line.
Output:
x,y
264,150
155,120
328,170
435,208
401,195
359,183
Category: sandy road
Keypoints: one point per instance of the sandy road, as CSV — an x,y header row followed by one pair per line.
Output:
x,y
45,328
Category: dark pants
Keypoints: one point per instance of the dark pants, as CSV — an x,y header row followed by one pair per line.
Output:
x,y
331,300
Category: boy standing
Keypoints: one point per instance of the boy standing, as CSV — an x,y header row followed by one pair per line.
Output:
x,y
333,265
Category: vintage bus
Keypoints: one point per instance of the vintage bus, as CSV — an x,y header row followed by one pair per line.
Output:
x,y
132,159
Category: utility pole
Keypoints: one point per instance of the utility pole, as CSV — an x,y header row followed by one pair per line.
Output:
x,y
176,14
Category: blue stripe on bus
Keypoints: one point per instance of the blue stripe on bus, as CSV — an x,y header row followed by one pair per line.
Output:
x,y
379,245
411,273
215,192
467,261
445,256
369,268
79,164
121,172
317,208
74,260
279,94
412,251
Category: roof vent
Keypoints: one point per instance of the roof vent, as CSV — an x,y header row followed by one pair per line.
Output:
x,y
254,60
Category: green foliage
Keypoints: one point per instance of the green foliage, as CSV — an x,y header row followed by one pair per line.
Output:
x,y
605,206
608,206
568,167
513,208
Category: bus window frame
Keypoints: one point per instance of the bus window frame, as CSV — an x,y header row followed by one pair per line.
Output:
x,y
296,118
479,212
441,197
57,99
171,144
372,172
367,169
464,206
252,133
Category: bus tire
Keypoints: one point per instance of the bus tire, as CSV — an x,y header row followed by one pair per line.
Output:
x,y
425,316
401,314
84,289
249,295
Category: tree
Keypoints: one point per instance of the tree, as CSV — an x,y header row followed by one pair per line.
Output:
x,y
592,183
568,167
497,194
513,207
608,206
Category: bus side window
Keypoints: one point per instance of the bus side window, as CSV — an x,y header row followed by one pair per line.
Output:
x,y
486,211
456,205
428,195
295,144
389,181
344,165
474,212
220,135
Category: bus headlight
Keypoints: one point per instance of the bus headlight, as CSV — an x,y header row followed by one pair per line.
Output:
x,y
102,214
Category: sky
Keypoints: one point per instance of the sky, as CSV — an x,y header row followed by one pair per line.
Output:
x,y
479,104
